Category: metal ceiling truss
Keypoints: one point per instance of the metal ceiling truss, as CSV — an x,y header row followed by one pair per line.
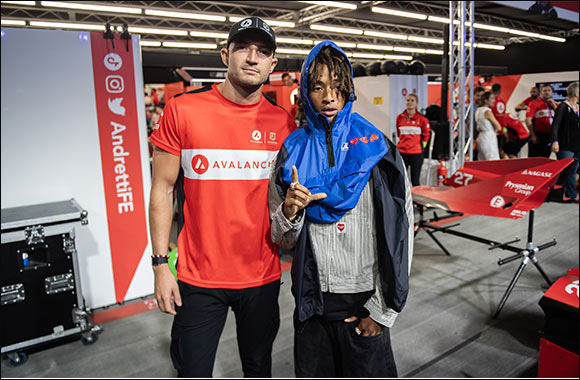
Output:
x,y
302,17
461,77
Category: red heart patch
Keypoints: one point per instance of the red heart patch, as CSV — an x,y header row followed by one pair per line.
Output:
x,y
374,137
364,139
341,226
354,141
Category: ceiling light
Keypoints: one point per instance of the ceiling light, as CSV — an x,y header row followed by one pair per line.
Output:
x,y
190,45
426,39
522,33
150,43
189,15
395,12
202,33
552,38
66,25
342,44
491,27
292,51
33,3
409,49
374,47
488,46
13,22
172,32
90,7
368,55
401,57
431,51
336,29
271,22
385,35
444,20
299,41
335,4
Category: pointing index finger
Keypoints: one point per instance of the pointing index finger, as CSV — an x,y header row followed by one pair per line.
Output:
x,y
295,175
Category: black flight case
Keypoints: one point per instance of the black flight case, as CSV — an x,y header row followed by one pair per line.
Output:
x,y
42,301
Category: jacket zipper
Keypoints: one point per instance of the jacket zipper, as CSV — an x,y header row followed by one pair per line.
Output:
x,y
328,134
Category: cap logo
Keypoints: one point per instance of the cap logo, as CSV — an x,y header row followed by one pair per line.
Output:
x,y
247,22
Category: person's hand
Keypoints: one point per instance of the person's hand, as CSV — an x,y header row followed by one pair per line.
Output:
x,y
166,289
298,197
367,326
552,103
555,147
535,139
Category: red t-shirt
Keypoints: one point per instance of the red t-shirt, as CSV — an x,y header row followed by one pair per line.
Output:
x,y
226,150
516,127
411,131
542,115
528,100
498,110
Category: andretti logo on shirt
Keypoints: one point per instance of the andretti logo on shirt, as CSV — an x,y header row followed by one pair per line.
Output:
x,y
227,164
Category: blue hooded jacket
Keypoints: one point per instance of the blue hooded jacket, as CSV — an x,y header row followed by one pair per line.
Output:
x,y
334,159
339,160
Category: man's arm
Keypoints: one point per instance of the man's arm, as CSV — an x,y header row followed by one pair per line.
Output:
x,y
165,171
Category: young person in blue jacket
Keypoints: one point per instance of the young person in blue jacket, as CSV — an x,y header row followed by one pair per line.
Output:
x,y
340,199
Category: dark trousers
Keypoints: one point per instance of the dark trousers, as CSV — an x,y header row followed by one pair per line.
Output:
x,y
415,161
200,321
513,147
570,186
542,148
333,349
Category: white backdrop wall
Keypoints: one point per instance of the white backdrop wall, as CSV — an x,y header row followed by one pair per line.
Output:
x,y
50,144
381,98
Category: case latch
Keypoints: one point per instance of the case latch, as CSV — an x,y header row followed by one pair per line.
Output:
x,y
59,283
34,235
13,294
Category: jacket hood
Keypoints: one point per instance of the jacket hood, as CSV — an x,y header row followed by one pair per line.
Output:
x,y
315,118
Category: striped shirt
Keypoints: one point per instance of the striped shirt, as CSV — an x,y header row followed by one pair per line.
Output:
x,y
345,251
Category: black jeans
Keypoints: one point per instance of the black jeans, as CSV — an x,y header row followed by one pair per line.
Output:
x,y
333,349
415,161
200,321
542,148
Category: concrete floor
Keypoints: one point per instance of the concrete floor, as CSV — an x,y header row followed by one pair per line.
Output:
x,y
446,329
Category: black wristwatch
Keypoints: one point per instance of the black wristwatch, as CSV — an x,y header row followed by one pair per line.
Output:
x,y
159,259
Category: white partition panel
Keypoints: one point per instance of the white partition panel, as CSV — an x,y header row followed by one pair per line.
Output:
x,y
51,148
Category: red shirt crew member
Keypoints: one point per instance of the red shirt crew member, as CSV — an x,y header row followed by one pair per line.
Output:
x,y
539,117
413,131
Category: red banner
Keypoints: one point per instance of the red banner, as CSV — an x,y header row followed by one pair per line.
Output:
x,y
116,104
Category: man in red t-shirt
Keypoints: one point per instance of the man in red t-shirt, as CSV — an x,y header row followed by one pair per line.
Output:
x,y
534,93
539,117
215,146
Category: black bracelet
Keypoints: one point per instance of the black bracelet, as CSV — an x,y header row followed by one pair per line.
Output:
x,y
159,259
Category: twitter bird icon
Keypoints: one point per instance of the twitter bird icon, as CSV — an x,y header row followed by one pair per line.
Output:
x,y
116,107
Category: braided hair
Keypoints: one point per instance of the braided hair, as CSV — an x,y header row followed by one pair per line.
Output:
x,y
338,68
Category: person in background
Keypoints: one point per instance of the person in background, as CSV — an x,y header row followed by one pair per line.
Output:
x,y
413,131
566,137
517,135
339,196
226,258
499,111
477,92
539,117
155,96
287,80
534,93
487,126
